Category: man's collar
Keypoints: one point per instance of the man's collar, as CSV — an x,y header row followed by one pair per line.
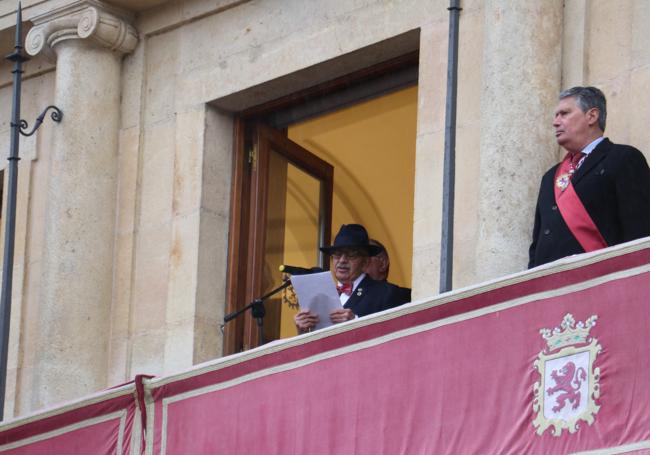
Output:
x,y
358,280
592,145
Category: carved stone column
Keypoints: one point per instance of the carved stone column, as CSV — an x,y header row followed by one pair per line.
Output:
x,y
521,81
88,39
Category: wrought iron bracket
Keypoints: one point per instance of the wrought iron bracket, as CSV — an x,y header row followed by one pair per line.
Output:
x,y
56,115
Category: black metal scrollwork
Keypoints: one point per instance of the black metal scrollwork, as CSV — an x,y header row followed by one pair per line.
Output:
x,y
56,115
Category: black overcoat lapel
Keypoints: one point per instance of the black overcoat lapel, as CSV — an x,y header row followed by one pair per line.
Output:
x,y
595,157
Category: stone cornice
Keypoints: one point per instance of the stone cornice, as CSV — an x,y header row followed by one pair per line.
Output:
x,y
105,25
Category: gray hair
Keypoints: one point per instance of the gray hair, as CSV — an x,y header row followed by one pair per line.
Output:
x,y
589,98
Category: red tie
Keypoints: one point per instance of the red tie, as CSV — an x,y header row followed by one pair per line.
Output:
x,y
575,161
344,289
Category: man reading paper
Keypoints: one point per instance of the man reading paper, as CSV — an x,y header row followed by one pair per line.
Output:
x,y
359,294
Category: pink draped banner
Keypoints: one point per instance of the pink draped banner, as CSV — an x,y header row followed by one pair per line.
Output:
x,y
551,361
98,424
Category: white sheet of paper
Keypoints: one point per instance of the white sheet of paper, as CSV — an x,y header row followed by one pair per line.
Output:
x,y
317,293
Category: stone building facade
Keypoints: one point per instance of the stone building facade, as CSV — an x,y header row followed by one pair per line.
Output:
x,y
125,207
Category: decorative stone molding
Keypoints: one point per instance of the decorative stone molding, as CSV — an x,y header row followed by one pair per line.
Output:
x,y
105,25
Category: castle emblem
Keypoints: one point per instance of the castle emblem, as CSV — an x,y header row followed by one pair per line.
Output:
x,y
568,386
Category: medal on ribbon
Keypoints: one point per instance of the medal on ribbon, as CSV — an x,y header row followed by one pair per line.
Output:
x,y
563,181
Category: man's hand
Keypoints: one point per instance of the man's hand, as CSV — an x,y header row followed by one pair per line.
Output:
x,y
342,315
305,320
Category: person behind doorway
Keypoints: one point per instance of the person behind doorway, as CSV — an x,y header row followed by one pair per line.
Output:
x,y
599,195
379,266
360,295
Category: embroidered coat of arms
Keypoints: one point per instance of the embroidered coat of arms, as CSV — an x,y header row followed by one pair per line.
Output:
x,y
568,385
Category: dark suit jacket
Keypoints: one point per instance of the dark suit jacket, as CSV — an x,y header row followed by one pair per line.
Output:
x,y
403,295
613,184
372,296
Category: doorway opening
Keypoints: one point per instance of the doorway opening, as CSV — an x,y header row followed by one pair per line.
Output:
x,y
302,170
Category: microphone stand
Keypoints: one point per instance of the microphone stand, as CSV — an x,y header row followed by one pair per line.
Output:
x,y
257,311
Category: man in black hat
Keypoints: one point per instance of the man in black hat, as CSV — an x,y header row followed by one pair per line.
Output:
x,y
360,295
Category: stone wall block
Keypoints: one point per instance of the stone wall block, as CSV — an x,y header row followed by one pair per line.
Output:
x,y
637,113
161,71
213,236
429,153
217,163
179,344
120,315
520,86
132,78
609,53
147,354
466,204
127,179
188,161
123,257
640,35
432,79
181,293
151,279
183,262
157,176
427,214
575,36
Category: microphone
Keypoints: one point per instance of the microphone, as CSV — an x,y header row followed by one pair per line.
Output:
x,y
293,270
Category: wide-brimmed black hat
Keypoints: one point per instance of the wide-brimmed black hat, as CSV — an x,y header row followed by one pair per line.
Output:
x,y
352,236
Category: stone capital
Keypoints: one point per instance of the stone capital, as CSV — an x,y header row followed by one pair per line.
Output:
x,y
104,25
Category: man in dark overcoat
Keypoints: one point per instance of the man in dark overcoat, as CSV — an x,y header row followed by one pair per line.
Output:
x,y
599,195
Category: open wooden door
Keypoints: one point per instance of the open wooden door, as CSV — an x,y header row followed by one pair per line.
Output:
x,y
282,213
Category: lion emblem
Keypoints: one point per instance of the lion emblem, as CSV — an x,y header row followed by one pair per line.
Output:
x,y
568,387
568,380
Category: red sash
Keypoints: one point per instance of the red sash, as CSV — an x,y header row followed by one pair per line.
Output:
x,y
573,211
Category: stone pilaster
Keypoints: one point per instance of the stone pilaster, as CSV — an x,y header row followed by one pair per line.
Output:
x,y
521,80
88,40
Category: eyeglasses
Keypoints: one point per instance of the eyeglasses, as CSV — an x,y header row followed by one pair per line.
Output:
x,y
352,254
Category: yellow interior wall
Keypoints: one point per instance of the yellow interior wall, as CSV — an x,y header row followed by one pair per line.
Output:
x,y
372,148
300,233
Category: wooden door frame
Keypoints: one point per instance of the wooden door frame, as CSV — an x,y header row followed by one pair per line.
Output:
x,y
249,213
237,239
314,166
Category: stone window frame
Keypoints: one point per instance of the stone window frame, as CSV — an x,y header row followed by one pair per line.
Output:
x,y
377,79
